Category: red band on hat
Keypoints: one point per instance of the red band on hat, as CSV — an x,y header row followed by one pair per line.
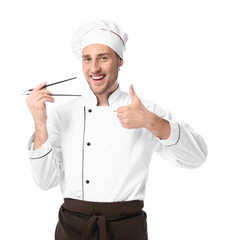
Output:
x,y
115,34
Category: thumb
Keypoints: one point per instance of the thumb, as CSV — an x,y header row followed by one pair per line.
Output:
x,y
132,93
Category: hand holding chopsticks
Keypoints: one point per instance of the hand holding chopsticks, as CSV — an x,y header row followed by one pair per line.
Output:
x,y
36,102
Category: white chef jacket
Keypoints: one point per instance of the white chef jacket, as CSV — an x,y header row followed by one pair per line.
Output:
x,y
94,158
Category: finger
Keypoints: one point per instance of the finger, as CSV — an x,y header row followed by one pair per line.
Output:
x,y
32,99
40,92
36,100
132,93
40,96
40,104
46,99
126,126
121,109
120,116
40,86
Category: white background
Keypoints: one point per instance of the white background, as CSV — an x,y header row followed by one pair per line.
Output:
x,y
176,57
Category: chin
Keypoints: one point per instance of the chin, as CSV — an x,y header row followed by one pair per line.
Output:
x,y
99,91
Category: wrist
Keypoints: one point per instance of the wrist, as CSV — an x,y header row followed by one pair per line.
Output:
x,y
149,120
40,125
41,134
156,125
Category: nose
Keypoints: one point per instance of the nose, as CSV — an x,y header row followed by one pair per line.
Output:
x,y
95,68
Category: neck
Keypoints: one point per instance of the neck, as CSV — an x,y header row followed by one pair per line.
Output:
x,y
102,99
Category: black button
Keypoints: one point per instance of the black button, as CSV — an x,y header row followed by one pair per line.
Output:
x,y
87,181
88,143
90,110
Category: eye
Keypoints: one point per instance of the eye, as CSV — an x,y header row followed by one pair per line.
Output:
x,y
86,59
104,58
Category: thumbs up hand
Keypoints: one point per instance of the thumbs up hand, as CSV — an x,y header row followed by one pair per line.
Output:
x,y
134,115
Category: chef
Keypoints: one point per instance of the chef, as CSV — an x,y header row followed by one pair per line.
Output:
x,y
98,147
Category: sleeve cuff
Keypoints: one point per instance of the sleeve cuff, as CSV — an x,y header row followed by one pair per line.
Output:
x,y
174,134
41,152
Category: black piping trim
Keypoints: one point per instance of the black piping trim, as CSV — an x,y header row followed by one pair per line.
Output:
x,y
177,139
43,155
83,152
112,93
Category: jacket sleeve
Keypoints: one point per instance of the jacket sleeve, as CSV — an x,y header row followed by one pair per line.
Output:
x,y
46,161
184,147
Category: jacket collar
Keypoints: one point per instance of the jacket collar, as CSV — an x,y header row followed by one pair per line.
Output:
x,y
91,98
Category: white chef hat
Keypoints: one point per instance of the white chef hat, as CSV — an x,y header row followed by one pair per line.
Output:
x,y
102,32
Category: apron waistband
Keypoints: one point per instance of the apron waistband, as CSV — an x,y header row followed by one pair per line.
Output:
x,y
102,212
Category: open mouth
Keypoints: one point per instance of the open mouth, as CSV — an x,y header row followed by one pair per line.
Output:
x,y
97,77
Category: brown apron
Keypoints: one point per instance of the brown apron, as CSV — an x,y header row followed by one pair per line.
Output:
x,y
84,220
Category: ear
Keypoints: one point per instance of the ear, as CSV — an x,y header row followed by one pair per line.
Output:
x,y
121,62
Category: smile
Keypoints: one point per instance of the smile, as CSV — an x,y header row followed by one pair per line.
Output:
x,y
97,77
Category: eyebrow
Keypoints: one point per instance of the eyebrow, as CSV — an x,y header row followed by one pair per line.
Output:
x,y
99,55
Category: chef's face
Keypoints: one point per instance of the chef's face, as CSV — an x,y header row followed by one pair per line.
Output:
x,y
100,65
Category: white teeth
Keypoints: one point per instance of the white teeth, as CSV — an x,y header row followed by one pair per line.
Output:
x,y
97,77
